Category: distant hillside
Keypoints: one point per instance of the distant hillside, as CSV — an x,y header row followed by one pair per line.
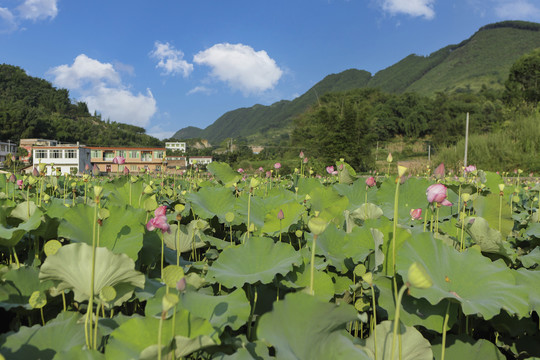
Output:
x,y
482,60
31,107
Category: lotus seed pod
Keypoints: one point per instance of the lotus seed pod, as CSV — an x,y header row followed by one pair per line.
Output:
x,y
107,294
418,276
169,301
389,158
298,233
317,225
515,198
253,183
368,278
359,270
501,187
229,217
148,189
466,197
32,180
172,274
401,170
51,247
179,207
37,300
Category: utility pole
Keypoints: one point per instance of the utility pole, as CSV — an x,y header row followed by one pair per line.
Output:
x,y
466,140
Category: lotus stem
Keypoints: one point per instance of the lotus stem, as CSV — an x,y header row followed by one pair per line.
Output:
x,y
42,317
374,319
162,254
500,211
444,331
90,309
163,314
64,300
396,318
250,321
312,265
15,256
177,243
248,214
96,327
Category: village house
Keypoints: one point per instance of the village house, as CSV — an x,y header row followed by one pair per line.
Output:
x,y
5,149
176,146
200,160
136,158
172,162
67,159
29,144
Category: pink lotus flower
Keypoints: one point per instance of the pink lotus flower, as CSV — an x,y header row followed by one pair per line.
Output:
x,y
268,174
261,169
160,211
301,155
119,160
159,222
20,183
305,160
240,170
370,181
437,193
439,171
277,166
12,178
416,214
86,167
126,170
280,214
470,168
330,169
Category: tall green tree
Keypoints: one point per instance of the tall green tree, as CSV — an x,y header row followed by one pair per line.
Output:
x,y
523,84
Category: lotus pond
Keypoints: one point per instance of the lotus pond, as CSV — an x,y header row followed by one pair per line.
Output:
x,y
224,265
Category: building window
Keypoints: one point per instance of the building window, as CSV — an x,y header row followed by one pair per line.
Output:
x,y
96,153
41,154
121,153
158,168
133,167
56,154
134,154
158,154
109,155
121,168
70,154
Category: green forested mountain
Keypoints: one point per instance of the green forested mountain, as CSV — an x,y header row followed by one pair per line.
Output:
x,y
483,60
32,108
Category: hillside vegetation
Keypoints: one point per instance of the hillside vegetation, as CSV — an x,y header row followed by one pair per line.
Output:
x,y
483,60
31,107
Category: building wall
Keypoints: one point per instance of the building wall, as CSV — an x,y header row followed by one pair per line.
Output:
x,y
136,159
5,149
180,146
202,160
64,158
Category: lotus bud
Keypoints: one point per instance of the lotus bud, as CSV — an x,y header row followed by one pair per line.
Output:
x,y
35,172
418,276
148,189
389,158
169,301
401,170
301,155
32,180
12,178
98,190
501,187
46,197
368,278
317,225
466,197
181,284
280,215
253,183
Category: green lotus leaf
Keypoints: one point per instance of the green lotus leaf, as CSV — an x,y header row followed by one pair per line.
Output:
x,y
226,310
45,342
258,260
304,327
386,228
80,353
463,347
224,173
489,239
531,259
18,285
529,280
292,213
9,237
488,208
533,229
329,202
121,232
212,201
339,247
257,210
412,195
70,268
367,211
414,311
414,346
136,335
481,286
250,351
121,191
323,286
24,210
356,193
189,237
307,185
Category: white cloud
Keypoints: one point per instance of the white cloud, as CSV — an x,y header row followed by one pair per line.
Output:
x,y
200,89
241,67
7,21
100,86
121,105
422,8
170,59
158,132
84,70
520,9
38,9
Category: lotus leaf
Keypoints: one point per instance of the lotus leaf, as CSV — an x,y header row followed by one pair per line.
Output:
x,y
24,210
118,233
45,342
250,351
329,203
529,280
259,259
339,247
356,193
131,338
10,236
323,286
414,346
488,208
292,213
189,237
414,311
224,173
121,190
304,327
257,210
212,201
18,285
226,310
462,347
489,239
531,259
481,286
70,268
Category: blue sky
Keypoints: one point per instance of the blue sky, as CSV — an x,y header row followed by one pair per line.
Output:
x,y
168,64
